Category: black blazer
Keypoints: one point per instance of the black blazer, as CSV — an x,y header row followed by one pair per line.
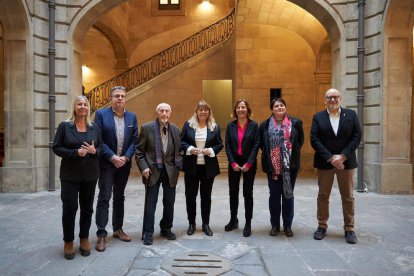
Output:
x,y
250,142
66,143
296,138
190,161
326,143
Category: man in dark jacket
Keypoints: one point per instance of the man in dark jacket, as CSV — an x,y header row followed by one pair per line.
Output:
x,y
158,158
335,136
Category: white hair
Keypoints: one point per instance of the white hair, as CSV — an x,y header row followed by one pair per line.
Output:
x,y
162,105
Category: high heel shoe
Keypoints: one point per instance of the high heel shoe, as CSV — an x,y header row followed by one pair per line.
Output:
x,y
247,231
191,229
207,230
233,224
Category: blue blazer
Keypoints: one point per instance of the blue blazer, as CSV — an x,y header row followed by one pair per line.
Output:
x,y
104,119
250,142
326,143
190,161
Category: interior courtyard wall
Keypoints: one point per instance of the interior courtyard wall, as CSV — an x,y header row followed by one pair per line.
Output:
x,y
184,90
1,81
160,31
396,166
98,56
273,57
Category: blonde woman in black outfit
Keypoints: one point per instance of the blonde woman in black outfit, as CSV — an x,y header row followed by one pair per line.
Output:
x,y
78,142
201,142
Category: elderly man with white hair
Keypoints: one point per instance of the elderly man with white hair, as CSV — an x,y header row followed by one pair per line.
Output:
x,y
158,158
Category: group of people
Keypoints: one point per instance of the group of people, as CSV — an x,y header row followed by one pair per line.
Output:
x,y
104,150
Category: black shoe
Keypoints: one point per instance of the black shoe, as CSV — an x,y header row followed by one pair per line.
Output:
x,y
288,232
350,237
319,234
247,231
207,230
148,239
233,224
274,231
191,229
168,234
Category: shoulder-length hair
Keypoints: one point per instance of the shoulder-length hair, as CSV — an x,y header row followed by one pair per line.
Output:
x,y
211,122
72,116
249,110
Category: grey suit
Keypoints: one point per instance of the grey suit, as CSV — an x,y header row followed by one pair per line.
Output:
x,y
145,156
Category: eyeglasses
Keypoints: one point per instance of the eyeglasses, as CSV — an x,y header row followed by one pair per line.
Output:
x,y
118,96
329,98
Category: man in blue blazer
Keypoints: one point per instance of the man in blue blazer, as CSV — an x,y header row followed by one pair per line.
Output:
x,y
120,136
335,136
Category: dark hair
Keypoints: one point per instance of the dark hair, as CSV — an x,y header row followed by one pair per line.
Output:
x,y
272,102
249,110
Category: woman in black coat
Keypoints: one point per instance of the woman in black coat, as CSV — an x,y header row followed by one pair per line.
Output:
x,y
201,142
242,144
281,138
78,142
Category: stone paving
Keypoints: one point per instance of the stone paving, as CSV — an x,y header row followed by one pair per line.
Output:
x,y
31,237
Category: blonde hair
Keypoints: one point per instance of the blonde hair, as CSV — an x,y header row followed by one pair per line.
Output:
x,y
72,116
211,122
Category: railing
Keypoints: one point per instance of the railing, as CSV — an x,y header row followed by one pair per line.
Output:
x,y
165,60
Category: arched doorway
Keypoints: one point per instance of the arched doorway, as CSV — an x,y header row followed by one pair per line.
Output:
x,y
291,47
397,163
18,171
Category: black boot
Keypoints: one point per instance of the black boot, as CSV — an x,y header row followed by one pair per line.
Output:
x,y
247,231
233,224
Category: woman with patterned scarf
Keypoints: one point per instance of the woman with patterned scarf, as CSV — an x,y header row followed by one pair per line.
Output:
x,y
281,138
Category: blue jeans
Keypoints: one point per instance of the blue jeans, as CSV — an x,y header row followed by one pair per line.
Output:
x,y
168,200
276,194
111,180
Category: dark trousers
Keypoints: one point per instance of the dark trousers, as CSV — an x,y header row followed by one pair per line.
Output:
x,y
111,180
192,184
234,184
168,200
69,194
276,193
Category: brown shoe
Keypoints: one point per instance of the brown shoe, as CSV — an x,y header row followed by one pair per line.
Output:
x,y
101,244
120,234
85,247
69,251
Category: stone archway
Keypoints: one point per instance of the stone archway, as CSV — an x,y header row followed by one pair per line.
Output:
x,y
120,51
18,171
397,156
80,24
328,17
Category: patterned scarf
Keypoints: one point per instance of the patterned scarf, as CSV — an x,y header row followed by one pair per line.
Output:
x,y
158,148
281,151
158,144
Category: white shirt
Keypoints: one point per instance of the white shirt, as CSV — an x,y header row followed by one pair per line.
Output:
x,y
334,118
